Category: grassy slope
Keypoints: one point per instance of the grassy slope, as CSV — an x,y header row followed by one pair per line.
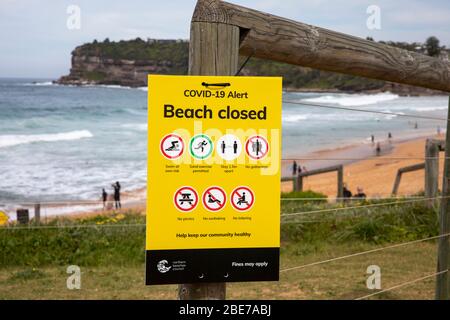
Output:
x,y
33,262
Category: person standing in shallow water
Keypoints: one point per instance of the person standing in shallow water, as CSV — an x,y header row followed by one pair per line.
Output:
x,y
116,187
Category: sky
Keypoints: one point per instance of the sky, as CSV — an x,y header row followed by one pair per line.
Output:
x,y
36,42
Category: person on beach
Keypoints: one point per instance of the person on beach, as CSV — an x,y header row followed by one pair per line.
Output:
x,y
294,168
390,136
360,194
416,125
104,198
117,187
372,138
347,194
378,149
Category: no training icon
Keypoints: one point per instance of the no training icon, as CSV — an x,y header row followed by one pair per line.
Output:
x,y
214,199
185,199
242,199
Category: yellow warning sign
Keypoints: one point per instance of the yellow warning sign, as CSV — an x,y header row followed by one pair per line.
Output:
x,y
214,146
3,218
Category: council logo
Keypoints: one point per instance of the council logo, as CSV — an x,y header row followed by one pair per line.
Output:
x,y
163,266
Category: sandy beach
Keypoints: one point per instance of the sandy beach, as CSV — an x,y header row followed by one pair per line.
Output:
x,y
374,174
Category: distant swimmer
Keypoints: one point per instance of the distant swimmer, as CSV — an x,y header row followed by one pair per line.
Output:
x,y
117,187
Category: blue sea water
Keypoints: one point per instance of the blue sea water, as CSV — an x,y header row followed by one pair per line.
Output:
x,y
67,142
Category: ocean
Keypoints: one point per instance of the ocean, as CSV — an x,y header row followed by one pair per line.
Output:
x,y
60,143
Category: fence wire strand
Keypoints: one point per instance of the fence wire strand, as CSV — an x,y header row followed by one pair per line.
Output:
x,y
362,206
365,111
402,284
363,253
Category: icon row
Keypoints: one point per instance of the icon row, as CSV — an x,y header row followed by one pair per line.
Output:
x,y
214,199
201,146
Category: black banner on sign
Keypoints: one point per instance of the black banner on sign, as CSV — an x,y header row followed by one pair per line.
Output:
x,y
212,265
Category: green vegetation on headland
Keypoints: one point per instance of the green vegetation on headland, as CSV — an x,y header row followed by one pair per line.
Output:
x,y
128,62
109,248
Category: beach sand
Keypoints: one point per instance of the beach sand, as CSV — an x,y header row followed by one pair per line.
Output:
x,y
375,175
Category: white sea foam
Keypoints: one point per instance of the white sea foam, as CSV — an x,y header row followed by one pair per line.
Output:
x,y
353,100
295,118
12,140
425,109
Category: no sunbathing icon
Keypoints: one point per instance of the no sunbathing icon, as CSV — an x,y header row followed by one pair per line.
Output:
x,y
214,199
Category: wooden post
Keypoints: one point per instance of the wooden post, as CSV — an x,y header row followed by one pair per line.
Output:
x,y
37,213
401,171
431,169
213,50
299,183
443,280
340,183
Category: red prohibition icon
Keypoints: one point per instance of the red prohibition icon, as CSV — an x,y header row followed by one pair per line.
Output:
x,y
214,199
256,147
172,146
185,199
242,199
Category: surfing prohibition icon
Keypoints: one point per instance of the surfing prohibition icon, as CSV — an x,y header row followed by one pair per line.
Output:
x,y
214,199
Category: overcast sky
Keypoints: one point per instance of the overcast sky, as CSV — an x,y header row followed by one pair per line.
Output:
x,y
35,40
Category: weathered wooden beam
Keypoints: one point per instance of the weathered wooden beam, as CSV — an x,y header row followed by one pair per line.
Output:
x,y
398,178
270,37
320,171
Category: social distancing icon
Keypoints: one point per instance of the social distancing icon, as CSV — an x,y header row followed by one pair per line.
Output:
x,y
214,199
256,147
242,198
229,147
201,146
185,199
172,146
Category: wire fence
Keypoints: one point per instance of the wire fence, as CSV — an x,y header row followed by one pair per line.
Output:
x,y
390,201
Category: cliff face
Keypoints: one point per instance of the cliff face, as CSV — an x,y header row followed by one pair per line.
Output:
x,y
95,64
